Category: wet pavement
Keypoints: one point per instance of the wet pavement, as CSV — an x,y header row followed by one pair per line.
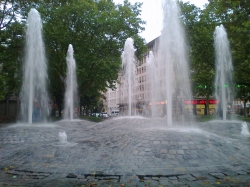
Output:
x,y
125,152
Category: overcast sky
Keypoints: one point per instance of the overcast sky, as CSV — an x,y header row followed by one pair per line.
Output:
x,y
151,13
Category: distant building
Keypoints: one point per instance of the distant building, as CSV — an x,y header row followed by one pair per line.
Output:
x,y
118,99
112,100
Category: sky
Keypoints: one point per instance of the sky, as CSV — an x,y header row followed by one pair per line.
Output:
x,y
151,13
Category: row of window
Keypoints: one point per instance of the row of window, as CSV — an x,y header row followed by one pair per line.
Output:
x,y
143,87
139,97
142,79
112,94
112,102
141,70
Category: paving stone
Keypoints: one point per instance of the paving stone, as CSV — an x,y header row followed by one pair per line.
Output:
x,y
241,172
125,147
172,178
217,175
172,152
180,152
164,151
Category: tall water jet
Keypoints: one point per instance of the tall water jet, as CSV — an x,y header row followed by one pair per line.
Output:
x,y
129,68
173,60
224,69
34,96
71,93
154,82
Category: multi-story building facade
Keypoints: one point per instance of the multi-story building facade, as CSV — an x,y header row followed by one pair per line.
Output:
x,y
112,99
140,93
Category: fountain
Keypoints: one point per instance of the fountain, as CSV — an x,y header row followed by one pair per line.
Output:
x,y
244,129
154,82
71,94
62,138
128,65
173,64
34,97
224,68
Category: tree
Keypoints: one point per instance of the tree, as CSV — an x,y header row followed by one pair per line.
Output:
x,y
11,38
10,59
97,30
8,12
234,15
200,35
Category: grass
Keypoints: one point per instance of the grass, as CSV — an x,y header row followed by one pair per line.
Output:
x,y
88,118
205,118
229,117
92,118
242,118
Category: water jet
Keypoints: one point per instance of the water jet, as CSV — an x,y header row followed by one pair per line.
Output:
x,y
34,96
71,93
224,69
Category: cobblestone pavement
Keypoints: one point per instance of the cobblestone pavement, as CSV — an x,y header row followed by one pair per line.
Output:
x,y
125,152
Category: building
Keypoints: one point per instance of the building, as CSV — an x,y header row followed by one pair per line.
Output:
x,y
142,100
112,100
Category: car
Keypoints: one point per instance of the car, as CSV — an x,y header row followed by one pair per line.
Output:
x,y
115,113
95,114
104,114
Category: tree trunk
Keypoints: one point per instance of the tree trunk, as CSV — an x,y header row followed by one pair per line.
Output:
x,y
59,109
7,107
207,105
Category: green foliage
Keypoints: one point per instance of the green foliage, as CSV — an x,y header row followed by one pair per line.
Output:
x,y
8,12
200,36
92,118
10,59
200,26
234,15
11,38
97,30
